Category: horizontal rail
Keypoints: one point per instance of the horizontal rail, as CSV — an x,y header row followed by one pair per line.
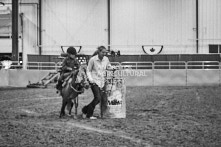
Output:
x,y
43,65
203,65
12,64
128,65
170,65
137,65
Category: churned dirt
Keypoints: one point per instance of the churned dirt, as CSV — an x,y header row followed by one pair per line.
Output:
x,y
156,116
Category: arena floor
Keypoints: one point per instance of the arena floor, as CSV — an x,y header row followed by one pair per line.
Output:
x,y
156,116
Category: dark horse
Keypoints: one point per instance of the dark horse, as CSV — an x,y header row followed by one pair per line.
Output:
x,y
73,85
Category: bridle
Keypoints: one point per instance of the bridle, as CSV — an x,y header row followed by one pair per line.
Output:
x,y
74,87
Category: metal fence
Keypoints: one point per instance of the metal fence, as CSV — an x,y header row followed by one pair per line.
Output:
x,y
43,65
160,73
172,65
128,65
13,65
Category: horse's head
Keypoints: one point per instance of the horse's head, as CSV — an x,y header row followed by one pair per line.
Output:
x,y
82,77
79,80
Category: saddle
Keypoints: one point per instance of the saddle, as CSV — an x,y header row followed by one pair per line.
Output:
x,y
67,79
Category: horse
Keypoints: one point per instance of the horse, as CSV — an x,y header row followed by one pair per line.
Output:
x,y
73,85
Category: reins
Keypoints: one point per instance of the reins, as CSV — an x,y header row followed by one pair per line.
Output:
x,y
75,89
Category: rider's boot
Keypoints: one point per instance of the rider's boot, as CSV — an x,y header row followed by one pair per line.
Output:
x,y
59,86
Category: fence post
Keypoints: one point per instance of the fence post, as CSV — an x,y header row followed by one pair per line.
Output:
x,y
186,67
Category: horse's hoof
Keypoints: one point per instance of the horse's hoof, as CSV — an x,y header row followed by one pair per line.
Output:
x,y
84,116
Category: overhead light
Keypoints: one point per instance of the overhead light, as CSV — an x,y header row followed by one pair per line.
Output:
x,y
2,4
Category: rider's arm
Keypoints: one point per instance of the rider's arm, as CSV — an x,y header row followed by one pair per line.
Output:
x,y
64,65
89,70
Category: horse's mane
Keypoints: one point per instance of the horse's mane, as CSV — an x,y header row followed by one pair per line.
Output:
x,y
81,75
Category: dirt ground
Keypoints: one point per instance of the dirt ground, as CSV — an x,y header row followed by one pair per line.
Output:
x,y
156,116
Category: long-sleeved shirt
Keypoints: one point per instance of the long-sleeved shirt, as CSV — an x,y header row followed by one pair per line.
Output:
x,y
69,63
96,70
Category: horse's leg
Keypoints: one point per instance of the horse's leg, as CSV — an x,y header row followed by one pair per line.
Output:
x,y
71,104
64,103
76,105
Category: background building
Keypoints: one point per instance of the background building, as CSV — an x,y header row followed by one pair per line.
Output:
x,y
180,26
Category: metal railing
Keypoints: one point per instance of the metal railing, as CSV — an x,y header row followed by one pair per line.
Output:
x,y
129,65
170,65
173,65
203,65
43,65
137,65
13,65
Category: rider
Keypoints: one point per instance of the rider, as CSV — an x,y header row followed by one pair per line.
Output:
x,y
69,63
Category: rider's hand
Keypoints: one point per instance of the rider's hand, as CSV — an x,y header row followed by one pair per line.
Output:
x,y
110,67
91,81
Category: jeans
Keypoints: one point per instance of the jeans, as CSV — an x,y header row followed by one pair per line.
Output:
x,y
99,96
